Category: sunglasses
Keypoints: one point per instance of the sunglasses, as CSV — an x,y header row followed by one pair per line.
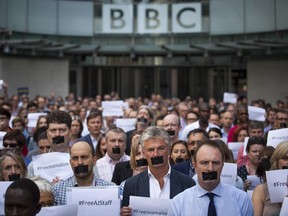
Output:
x,y
11,145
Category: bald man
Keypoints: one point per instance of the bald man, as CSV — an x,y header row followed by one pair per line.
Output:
x,y
171,123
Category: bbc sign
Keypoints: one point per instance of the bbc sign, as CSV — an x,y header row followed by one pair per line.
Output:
x,y
152,18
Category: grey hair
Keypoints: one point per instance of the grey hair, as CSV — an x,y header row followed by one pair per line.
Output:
x,y
154,132
43,184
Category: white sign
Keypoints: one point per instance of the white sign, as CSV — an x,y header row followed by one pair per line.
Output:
x,y
256,113
277,184
284,209
143,206
1,83
51,165
245,146
229,173
3,187
2,134
112,108
277,136
117,18
152,18
186,18
230,98
33,118
255,180
63,210
103,200
234,147
126,124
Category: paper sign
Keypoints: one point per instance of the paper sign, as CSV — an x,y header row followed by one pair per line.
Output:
x,y
112,108
277,136
2,134
1,83
256,113
63,210
3,187
126,124
284,209
245,146
234,147
91,200
143,206
33,118
255,180
230,98
125,105
229,173
276,181
52,164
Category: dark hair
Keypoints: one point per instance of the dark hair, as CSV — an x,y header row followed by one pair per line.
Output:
x,y
32,104
18,119
42,136
211,143
256,125
176,143
15,135
216,130
59,117
98,153
26,185
37,133
81,126
198,130
253,141
94,114
5,112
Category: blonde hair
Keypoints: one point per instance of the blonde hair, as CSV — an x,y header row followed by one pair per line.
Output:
x,y
280,151
18,159
134,149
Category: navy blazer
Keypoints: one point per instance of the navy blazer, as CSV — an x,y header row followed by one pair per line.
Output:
x,y
139,185
122,172
86,138
183,167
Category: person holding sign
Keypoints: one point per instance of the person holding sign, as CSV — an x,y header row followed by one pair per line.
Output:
x,y
254,146
159,181
82,161
210,196
261,200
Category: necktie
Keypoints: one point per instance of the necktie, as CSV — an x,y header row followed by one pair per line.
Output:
x,y
211,208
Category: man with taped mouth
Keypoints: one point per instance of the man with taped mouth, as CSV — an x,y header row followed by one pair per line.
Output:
x,y
82,161
171,124
58,133
159,181
116,145
210,196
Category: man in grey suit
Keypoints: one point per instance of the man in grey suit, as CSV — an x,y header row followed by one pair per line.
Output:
x,y
159,181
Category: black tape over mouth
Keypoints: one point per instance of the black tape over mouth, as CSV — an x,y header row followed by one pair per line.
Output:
x,y
14,177
207,176
58,139
171,133
116,150
179,160
284,167
142,162
81,169
142,120
157,160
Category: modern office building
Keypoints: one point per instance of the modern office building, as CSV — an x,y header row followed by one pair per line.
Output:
x,y
174,48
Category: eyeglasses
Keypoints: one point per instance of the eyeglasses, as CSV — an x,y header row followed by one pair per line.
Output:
x,y
11,145
61,130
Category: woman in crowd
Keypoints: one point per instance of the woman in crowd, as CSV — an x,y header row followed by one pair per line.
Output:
x,y
137,163
12,165
261,199
179,152
254,147
41,122
101,149
239,134
215,133
76,129
46,193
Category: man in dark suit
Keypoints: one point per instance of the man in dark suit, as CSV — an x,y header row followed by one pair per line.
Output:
x,y
159,181
94,124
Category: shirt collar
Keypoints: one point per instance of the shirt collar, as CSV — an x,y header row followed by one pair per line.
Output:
x,y
75,183
202,192
165,176
109,160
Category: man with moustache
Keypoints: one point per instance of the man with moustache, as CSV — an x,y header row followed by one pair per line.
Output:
x,y
210,196
171,123
116,145
159,181
82,161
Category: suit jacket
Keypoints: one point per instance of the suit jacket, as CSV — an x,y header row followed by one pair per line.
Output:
x,y
122,172
86,138
183,167
139,185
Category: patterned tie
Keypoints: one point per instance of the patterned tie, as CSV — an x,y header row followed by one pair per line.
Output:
x,y
211,208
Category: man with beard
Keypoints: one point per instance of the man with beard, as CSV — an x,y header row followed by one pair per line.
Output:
x,y
210,196
171,123
159,181
82,161
144,119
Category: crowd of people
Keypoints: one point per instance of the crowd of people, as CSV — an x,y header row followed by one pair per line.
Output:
x,y
176,151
